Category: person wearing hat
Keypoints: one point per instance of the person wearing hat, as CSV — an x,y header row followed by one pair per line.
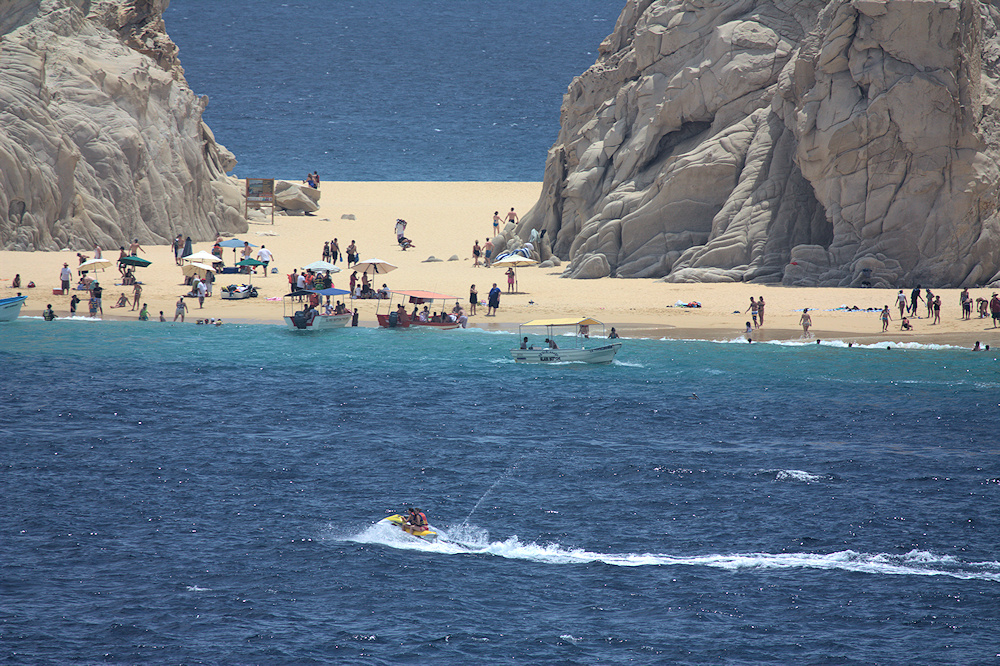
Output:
x,y
65,276
995,309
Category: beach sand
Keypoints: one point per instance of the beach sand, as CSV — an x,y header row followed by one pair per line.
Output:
x,y
444,219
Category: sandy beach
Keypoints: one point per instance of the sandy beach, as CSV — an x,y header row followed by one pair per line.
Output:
x,y
444,219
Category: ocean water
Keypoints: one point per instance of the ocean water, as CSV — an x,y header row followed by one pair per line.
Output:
x,y
380,90
190,494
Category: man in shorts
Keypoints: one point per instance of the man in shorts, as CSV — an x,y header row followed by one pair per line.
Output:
x,y
995,309
264,255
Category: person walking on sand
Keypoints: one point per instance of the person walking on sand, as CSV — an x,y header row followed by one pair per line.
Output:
x,y
202,290
493,301
496,224
510,280
753,311
488,253
134,248
264,256
885,318
995,309
473,300
352,254
901,303
181,308
334,251
914,297
476,252
966,302
760,309
806,322
512,216
326,251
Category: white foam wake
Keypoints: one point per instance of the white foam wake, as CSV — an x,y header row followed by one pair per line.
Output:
x,y
469,540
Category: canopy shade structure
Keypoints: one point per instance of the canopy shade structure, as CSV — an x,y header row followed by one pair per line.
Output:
x,y
417,297
568,321
203,256
196,268
94,264
321,292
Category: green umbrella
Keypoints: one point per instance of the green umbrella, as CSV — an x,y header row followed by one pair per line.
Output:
x,y
249,263
135,261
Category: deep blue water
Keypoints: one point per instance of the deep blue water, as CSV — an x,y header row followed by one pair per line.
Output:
x,y
183,494
387,90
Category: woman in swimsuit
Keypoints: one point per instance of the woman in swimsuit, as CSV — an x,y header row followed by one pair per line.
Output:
x,y
476,251
473,299
760,310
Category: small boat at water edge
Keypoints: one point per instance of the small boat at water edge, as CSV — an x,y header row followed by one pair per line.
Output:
x,y
10,307
552,353
399,318
309,318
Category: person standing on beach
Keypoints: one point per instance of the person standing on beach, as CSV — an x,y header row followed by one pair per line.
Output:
x,y
901,303
97,252
760,309
326,251
937,309
512,216
930,304
72,304
97,293
493,302
496,223
202,290
334,251
487,253
966,301
352,254
753,311
510,280
134,248
807,321
65,276
264,255
995,309
914,297
136,293
885,318
176,248
473,300
476,252
181,308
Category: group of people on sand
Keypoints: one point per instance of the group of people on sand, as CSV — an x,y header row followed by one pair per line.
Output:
x,y
332,253
312,179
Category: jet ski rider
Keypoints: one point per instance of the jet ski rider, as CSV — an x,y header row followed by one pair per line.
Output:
x,y
417,520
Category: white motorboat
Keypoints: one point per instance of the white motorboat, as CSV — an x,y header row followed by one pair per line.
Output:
x,y
551,351
10,308
309,318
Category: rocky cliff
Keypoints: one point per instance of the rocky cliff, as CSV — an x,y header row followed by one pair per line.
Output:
x,y
101,140
805,142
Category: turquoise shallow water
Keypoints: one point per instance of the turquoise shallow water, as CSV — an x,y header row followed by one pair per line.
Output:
x,y
207,495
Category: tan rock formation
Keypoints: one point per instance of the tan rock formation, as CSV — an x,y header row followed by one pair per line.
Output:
x,y
797,141
101,140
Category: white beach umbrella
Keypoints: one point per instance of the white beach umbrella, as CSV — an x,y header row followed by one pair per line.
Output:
x,y
321,266
196,268
375,266
94,264
203,257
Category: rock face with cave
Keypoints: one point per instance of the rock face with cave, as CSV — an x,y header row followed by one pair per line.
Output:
x,y
101,140
801,142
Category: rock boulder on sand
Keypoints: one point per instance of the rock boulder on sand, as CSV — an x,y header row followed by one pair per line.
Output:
x,y
294,197
101,140
806,142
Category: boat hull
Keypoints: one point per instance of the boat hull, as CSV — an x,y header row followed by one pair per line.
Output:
x,y
397,521
597,355
320,322
409,322
10,308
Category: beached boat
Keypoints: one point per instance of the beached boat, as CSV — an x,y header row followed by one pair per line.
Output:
x,y
312,319
10,308
396,317
551,351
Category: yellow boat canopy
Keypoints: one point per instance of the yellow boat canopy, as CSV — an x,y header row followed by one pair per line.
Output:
x,y
568,321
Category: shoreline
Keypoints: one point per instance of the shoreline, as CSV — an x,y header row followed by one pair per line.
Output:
x,y
445,218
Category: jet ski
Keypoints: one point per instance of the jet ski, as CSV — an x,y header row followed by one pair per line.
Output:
x,y
398,521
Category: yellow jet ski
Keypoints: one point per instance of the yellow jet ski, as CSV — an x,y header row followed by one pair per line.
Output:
x,y
399,521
